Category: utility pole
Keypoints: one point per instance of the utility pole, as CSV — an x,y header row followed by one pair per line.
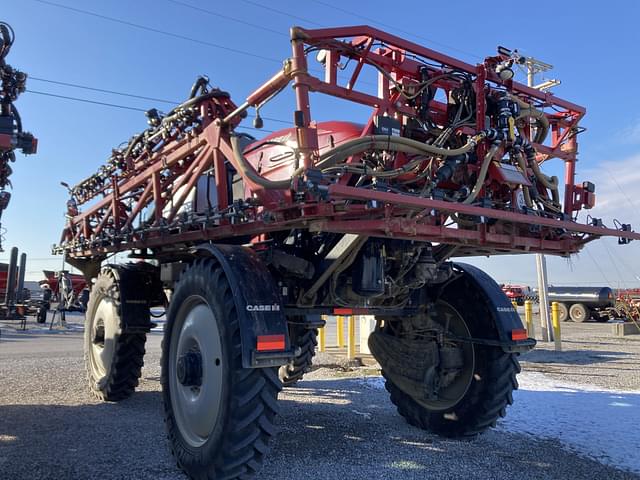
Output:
x,y
534,66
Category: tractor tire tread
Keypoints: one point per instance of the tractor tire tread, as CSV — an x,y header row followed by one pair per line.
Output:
x,y
293,371
252,405
128,360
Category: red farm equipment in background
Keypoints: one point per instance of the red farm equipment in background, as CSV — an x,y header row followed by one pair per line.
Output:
x,y
254,239
516,293
78,282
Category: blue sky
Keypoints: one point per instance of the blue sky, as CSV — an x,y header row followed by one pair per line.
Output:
x,y
593,49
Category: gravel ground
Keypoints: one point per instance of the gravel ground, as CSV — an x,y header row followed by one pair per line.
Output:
x,y
330,427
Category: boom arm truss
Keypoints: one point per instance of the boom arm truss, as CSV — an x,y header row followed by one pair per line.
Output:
x,y
136,201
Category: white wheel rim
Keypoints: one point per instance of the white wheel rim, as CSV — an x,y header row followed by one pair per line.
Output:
x,y
105,330
196,408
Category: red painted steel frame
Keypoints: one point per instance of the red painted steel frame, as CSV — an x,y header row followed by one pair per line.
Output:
x,y
154,178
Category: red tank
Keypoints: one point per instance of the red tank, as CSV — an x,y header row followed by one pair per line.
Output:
x,y
274,155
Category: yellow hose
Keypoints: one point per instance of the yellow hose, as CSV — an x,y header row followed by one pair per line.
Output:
x,y
392,143
525,190
529,111
482,175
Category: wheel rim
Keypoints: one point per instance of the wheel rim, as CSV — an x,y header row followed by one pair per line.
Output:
x,y
195,339
104,333
450,395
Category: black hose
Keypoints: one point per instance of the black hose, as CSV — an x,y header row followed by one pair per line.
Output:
x,y
7,38
199,84
199,99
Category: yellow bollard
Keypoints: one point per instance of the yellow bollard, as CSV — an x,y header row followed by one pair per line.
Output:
x,y
528,317
340,330
555,318
351,337
515,304
322,337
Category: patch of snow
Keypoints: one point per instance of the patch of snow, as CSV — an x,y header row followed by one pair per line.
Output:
x,y
587,419
376,383
366,415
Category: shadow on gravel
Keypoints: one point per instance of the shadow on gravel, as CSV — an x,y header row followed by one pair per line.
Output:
x,y
98,440
572,357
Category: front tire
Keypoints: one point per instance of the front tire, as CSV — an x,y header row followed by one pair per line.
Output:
x,y
113,359
219,416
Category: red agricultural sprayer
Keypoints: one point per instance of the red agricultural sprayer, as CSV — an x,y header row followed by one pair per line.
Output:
x,y
247,242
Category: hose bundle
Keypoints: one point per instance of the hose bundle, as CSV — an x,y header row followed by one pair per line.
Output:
x,y
339,154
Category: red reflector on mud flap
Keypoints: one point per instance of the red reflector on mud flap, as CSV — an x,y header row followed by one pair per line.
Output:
x,y
270,342
519,334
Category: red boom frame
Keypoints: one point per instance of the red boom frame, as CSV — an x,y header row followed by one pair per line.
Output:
x,y
155,176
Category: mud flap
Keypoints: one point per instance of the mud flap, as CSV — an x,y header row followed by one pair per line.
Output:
x,y
140,289
263,326
505,317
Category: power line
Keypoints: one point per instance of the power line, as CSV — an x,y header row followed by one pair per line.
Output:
x,y
616,259
84,100
113,92
102,90
170,34
125,107
615,265
286,14
227,17
597,266
179,36
622,191
243,22
369,19
156,30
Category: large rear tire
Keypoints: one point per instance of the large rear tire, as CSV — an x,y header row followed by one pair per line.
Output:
x,y
113,359
219,416
485,402
483,389
304,339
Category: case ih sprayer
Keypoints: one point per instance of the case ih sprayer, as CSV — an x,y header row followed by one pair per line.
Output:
x,y
248,242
